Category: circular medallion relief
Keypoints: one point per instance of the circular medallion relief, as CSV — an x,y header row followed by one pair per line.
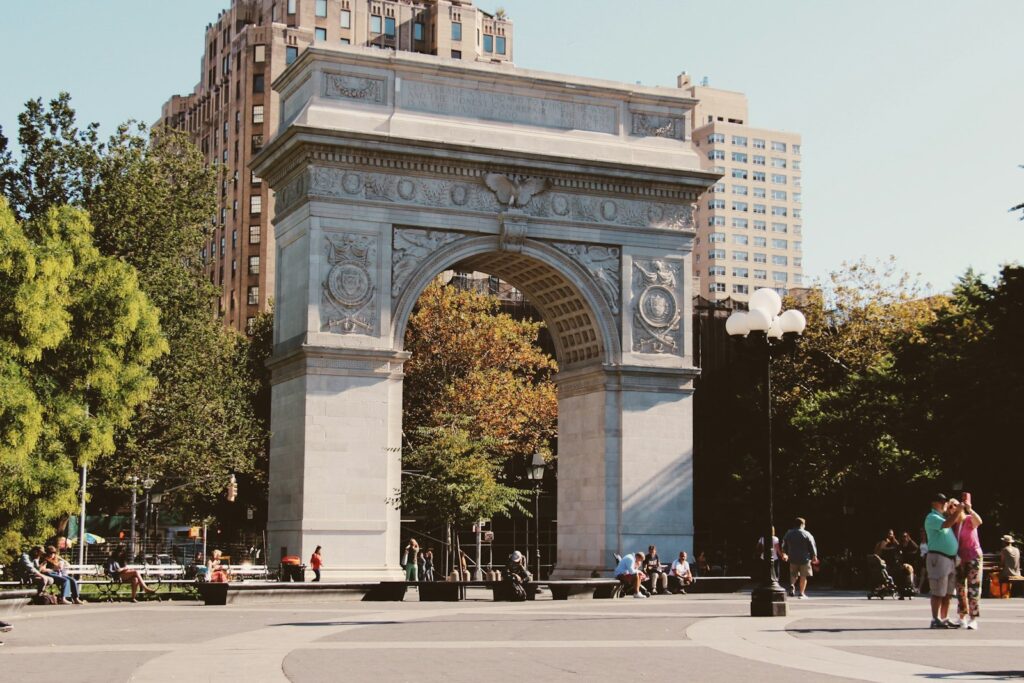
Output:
x,y
349,285
560,204
351,183
406,188
459,195
609,210
655,214
658,306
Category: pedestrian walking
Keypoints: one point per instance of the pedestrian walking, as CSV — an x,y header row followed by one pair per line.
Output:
x,y
410,560
968,572
799,545
940,564
315,562
427,565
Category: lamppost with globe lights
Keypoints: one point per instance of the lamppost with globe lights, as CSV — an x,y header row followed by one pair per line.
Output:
x,y
767,330
535,473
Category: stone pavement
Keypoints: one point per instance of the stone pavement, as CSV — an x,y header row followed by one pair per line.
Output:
x,y
695,638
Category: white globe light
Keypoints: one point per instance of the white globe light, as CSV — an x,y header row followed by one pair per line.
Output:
x,y
758,320
775,332
736,324
792,321
767,300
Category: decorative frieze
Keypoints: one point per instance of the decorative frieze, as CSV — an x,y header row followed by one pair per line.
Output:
x,y
347,87
528,196
656,310
604,265
655,126
546,112
409,248
349,287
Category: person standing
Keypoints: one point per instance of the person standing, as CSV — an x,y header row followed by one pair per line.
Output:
x,y
316,561
776,552
427,565
942,550
410,560
799,545
968,572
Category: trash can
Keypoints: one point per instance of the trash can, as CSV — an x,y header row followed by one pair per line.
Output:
x,y
292,569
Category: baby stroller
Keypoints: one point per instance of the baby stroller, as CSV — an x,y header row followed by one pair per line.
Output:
x,y
879,577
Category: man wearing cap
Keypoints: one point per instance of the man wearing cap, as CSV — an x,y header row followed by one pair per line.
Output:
x,y
940,562
1009,560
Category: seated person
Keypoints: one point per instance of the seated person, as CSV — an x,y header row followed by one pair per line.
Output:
x,y
28,569
703,566
51,565
112,568
217,572
1009,560
515,570
657,581
679,575
628,573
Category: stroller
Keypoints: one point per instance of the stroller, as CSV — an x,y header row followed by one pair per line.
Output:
x,y
884,586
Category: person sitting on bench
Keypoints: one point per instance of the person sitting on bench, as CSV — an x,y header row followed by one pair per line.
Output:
x,y
679,575
113,569
28,569
56,569
517,575
628,573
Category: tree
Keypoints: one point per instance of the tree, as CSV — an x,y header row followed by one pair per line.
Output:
x,y
468,359
78,338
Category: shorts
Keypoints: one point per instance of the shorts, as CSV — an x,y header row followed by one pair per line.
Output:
x,y
803,570
941,575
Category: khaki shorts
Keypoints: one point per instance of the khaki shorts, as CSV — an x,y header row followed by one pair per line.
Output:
x,y
941,575
803,570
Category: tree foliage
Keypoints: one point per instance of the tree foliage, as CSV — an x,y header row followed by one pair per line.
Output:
x,y
78,338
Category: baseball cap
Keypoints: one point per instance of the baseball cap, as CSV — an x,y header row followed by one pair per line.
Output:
x,y
939,498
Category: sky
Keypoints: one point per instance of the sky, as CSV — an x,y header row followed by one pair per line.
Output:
x,y
911,111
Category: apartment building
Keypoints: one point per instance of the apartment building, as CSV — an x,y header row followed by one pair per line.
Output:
x,y
232,112
749,224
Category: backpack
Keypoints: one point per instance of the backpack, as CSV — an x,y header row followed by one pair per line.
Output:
x,y
518,592
44,599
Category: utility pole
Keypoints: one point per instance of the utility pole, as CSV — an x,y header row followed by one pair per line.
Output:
x,y
135,486
81,517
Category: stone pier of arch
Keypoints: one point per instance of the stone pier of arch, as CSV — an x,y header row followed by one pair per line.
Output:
x,y
391,168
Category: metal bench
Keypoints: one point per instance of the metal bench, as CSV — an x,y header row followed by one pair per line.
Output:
x,y
243,572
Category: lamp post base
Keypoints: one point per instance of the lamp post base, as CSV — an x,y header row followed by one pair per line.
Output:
x,y
768,601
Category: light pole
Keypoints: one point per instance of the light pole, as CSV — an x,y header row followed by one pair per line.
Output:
x,y
535,473
767,331
147,484
135,492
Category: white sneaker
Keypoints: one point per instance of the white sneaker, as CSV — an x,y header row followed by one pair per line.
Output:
x,y
972,625
640,596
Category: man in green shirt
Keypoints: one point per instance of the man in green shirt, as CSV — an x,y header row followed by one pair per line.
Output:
x,y
941,561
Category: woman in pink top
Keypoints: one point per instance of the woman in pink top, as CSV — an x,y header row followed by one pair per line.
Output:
x,y
968,572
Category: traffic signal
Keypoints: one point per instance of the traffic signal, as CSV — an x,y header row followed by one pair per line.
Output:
x,y
232,492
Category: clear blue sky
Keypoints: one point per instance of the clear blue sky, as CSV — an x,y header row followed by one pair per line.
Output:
x,y
912,112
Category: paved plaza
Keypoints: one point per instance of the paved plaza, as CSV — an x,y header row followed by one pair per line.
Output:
x,y
693,638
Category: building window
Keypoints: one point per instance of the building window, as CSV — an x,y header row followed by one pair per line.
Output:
x,y
346,41
291,53
759,176
716,270
716,287
740,157
257,143
291,6
796,149
223,215
778,162
779,211
739,141
500,41
254,296
375,23
321,34
716,154
798,262
456,30
456,54
778,146
321,8
739,206
254,234
718,187
740,289
779,194
740,190
779,276
488,43
760,241
739,256
798,246
716,220
234,239
346,19
254,265
255,204
760,208
758,160
222,245
257,113
778,227
250,325
760,225
740,173
739,223
716,137
716,204
716,254
779,244
389,26
759,192
740,239
758,143
257,83
254,179
259,53
417,31
717,237
760,274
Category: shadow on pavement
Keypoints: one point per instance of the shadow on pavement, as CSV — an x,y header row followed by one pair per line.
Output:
x,y
993,675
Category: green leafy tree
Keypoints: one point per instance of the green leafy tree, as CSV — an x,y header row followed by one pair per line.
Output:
x,y
78,338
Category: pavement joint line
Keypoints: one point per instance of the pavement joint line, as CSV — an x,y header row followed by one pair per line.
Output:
x,y
916,642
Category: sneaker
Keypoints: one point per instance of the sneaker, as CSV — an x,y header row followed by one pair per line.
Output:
x,y
5,627
802,596
640,596
953,624
790,591
972,625
938,623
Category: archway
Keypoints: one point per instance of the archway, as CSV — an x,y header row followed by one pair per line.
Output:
x,y
379,192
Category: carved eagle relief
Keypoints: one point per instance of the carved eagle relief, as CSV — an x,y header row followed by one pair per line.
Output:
x,y
516,191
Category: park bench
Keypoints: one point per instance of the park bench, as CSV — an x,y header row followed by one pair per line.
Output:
x,y
243,572
290,592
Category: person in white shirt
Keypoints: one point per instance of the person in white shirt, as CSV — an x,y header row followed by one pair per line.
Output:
x,y
679,575
628,572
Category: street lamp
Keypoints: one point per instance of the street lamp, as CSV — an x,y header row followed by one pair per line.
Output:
x,y
535,473
767,331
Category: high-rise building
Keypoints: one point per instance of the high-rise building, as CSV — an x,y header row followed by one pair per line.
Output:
x,y
749,224
233,111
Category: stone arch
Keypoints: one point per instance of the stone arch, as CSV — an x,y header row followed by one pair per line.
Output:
x,y
579,317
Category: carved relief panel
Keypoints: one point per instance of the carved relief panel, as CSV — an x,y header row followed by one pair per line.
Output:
x,y
410,247
656,306
604,265
348,302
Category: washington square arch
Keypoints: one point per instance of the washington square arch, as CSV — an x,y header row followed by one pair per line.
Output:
x,y
391,168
